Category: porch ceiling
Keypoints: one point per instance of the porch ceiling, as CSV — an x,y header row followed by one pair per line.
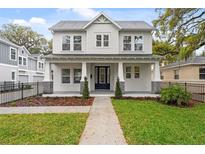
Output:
x,y
101,57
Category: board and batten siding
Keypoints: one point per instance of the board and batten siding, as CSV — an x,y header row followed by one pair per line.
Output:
x,y
5,55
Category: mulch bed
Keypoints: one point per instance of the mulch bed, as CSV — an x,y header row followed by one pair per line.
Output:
x,y
50,101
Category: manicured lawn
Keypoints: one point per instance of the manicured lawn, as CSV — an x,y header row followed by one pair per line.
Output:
x,y
149,122
42,128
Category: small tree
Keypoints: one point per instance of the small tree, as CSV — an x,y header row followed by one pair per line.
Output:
x,y
86,93
118,91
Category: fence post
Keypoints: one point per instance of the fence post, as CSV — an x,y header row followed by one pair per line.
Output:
x,y
185,86
22,90
37,88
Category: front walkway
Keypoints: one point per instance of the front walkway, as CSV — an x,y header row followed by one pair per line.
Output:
x,y
102,126
44,109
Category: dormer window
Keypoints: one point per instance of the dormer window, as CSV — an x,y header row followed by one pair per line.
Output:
x,y
138,43
66,43
102,40
77,43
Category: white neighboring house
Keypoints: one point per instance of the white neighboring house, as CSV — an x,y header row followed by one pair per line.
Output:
x,y
17,64
102,50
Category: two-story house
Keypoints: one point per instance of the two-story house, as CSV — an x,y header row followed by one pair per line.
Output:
x,y
17,64
102,50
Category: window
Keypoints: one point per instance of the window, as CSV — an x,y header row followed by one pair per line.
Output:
x,y
106,40
42,65
77,43
77,75
128,72
137,72
161,76
39,65
65,75
13,76
201,73
66,43
13,53
138,43
20,60
127,43
24,61
98,40
176,74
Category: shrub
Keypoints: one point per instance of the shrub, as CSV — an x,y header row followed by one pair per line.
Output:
x,y
86,93
118,91
175,95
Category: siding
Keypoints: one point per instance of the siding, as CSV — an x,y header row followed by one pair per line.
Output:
x,y
5,55
32,64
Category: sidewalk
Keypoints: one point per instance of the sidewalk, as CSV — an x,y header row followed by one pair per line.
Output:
x,y
102,126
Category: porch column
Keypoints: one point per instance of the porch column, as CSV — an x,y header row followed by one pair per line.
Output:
x,y
83,75
121,76
47,74
156,78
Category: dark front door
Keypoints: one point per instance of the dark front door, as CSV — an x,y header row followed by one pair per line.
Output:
x,y
102,77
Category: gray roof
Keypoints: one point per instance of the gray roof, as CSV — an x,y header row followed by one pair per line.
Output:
x,y
78,25
198,60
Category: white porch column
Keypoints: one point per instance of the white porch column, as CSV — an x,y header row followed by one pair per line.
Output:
x,y
84,71
156,75
47,74
120,72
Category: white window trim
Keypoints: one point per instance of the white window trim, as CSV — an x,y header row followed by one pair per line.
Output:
x,y
137,72
102,40
123,43
78,43
69,76
142,42
21,61
15,54
62,42
128,72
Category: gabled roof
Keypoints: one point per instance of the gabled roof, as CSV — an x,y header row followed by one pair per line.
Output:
x,y
198,60
82,25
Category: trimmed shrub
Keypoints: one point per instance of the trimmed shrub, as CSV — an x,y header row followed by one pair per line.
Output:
x,y
175,95
118,91
86,93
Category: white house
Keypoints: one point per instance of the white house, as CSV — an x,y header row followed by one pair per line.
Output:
x,y
17,64
102,50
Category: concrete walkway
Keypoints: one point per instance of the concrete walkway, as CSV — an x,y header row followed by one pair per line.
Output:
x,y
44,109
102,126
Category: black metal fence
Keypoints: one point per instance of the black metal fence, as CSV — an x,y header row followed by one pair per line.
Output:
x,y
197,90
11,91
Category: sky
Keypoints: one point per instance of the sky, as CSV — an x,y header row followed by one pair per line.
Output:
x,y
41,19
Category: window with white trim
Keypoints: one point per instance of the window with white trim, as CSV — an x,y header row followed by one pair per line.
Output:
x,y
65,74
102,40
77,40
39,65
128,72
13,53
13,76
127,43
66,42
138,43
24,61
136,72
77,75
106,40
202,73
20,60
98,40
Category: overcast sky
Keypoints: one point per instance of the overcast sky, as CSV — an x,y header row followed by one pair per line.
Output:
x,y
41,19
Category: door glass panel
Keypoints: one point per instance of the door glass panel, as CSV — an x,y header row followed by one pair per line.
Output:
x,y
102,75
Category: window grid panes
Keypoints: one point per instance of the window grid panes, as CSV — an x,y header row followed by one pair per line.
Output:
x,y
98,40
106,40
77,43
136,71
128,72
77,75
66,43
138,43
24,61
201,73
65,75
13,54
127,43
20,60
176,74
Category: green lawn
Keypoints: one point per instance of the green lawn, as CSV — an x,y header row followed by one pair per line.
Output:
x,y
149,122
42,128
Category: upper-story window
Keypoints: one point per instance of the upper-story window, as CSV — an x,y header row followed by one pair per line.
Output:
x,y
66,43
20,60
13,54
127,43
24,61
176,74
77,43
138,43
102,40
201,73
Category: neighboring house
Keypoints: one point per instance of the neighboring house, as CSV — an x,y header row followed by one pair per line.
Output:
x,y
191,70
102,50
17,64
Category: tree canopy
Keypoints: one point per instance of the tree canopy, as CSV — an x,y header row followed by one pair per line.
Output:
x,y
183,28
25,36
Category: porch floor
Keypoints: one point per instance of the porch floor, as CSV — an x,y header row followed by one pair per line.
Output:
x,y
101,93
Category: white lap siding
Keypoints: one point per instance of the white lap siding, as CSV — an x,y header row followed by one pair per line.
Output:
x,y
141,84
57,81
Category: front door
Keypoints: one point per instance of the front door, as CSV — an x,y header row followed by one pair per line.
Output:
x,y
102,77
